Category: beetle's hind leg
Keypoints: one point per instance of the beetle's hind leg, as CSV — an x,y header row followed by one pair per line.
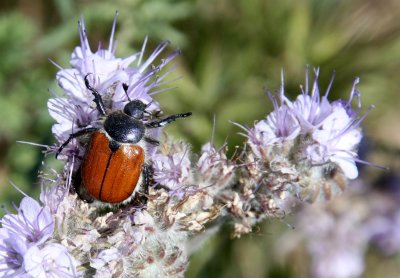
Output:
x,y
152,141
147,172
147,181
79,188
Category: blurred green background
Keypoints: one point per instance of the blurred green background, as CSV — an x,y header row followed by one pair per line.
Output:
x,y
233,50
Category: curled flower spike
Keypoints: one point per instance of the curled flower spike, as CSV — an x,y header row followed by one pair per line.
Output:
x,y
334,127
304,150
329,130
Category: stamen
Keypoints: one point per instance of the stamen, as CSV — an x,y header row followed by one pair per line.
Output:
x,y
154,55
213,131
307,68
17,188
330,84
142,51
111,46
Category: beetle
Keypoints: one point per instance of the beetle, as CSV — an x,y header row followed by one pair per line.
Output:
x,y
114,162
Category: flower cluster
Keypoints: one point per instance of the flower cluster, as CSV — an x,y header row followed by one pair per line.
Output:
x,y
137,240
327,132
303,150
26,245
106,74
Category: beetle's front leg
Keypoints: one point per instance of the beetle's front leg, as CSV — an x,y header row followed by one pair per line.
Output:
x,y
97,97
75,135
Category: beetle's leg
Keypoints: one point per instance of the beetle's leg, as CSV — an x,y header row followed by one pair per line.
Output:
x,y
167,120
151,140
80,189
146,171
97,97
146,178
75,135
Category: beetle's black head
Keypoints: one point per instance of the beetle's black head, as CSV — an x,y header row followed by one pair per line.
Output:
x,y
135,109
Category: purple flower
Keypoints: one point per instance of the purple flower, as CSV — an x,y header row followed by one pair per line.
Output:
x,y
209,159
12,251
25,250
339,262
278,126
54,187
33,224
52,260
106,73
383,223
334,127
104,257
172,170
335,238
386,232
214,168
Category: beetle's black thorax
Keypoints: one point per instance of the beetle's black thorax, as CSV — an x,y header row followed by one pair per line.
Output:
x,y
123,128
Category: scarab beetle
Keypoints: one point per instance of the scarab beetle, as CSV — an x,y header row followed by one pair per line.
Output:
x,y
114,161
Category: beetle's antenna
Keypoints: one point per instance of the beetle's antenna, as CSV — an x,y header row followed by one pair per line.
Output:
x,y
125,87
